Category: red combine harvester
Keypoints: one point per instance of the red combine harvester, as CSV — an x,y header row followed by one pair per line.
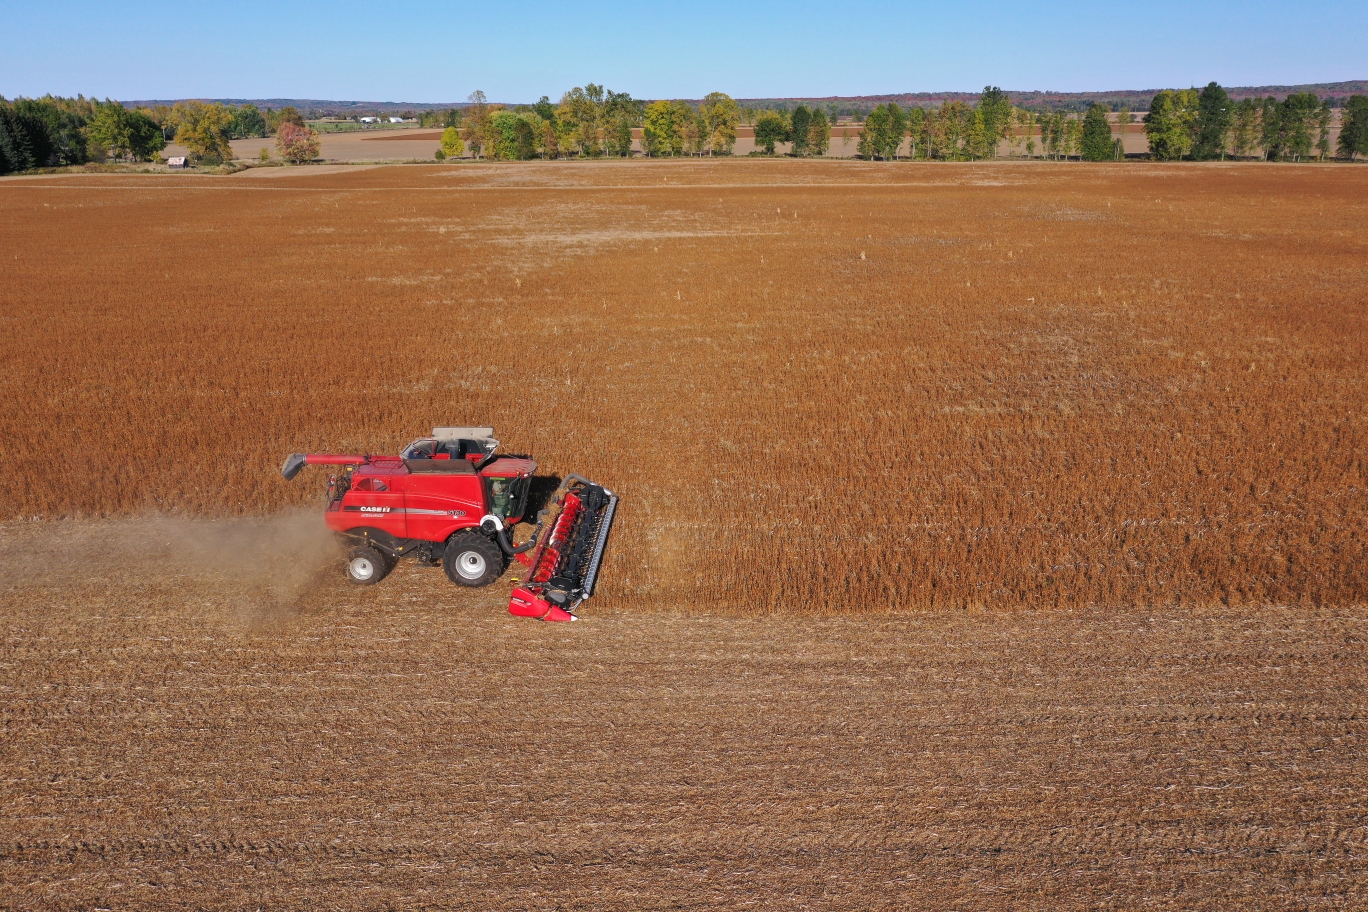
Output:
x,y
452,499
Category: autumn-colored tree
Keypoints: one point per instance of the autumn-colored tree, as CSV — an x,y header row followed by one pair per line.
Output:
x,y
951,130
475,123
720,116
296,144
663,132
1244,133
694,134
976,135
819,133
580,111
452,144
203,130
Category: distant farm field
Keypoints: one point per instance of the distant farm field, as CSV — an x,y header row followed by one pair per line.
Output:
x,y
817,386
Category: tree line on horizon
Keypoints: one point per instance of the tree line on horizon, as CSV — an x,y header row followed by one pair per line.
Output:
x,y
592,121
52,131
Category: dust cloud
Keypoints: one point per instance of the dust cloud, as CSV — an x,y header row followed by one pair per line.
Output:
x,y
257,568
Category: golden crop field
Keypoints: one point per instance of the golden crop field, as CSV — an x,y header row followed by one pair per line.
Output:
x,y
992,537
821,387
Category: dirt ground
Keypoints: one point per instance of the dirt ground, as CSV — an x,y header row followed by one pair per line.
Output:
x,y
177,736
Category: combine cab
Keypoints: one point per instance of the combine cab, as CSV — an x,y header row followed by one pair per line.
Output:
x,y
451,500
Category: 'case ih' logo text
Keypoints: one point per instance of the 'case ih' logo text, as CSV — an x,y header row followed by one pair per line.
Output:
x,y
375,509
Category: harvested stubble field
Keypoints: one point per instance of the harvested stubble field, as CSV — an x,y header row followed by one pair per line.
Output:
x,y
860,416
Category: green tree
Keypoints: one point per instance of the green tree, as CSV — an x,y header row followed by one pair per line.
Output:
x,y
819,133
1323,117
203,130
525,138
770,128
871,137
1213,123
111,129
248,122
1097,135
995,117
1270,128
1297,123
60,124
896,130
916,123
145,137
452,145
1169,123
800,121
287,114
512,137
24,140
1353,138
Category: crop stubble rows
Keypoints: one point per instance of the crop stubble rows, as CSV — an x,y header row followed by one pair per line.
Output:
x,y
840,388
388,748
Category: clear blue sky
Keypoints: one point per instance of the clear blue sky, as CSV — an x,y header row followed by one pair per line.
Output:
x,y
434,52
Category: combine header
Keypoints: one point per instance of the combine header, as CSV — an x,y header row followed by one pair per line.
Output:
x,y
451,500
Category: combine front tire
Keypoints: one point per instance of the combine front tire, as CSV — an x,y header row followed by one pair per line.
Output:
x,y
366,566
472,560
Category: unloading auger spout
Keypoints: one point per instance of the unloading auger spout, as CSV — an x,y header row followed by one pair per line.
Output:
x,y
570,538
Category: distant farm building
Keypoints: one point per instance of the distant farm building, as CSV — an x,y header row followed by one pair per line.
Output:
x,y
396,120
370,120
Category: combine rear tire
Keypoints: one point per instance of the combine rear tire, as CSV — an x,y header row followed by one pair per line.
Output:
x,y
366,566
472,560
